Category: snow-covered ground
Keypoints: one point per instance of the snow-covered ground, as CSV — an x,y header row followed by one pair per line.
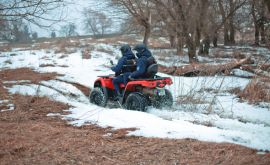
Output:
x,y
228,120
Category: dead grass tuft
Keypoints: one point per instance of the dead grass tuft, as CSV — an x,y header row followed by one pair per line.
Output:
x,y
65,51
236,90
6,48
64,66
46,65
256,91
8,62
63,56
86,54
157,43
105,51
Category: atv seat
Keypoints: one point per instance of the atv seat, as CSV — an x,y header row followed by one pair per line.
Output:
x,y
151,71
106,76
150,74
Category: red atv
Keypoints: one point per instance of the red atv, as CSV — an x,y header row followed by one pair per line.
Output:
x,y
139,93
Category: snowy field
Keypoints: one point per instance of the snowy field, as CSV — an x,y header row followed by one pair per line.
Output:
x,y
227,119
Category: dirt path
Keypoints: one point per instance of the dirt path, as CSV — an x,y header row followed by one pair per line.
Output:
x,y
29,136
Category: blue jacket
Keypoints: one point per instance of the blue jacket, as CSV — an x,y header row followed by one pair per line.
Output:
x,y
122,61
141,64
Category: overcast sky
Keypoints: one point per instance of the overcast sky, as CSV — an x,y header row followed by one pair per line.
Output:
x,y
74,15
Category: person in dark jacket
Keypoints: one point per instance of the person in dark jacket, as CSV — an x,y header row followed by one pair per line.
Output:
x,y
142,53
126,54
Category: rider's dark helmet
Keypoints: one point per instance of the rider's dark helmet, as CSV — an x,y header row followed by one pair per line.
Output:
x,y
140,48
124,49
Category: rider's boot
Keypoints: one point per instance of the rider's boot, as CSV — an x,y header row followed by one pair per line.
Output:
x,y
119,95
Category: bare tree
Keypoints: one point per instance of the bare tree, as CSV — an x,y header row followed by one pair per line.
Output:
x,y
267,2
43,13
68,29
177,15
140,10
53,35
34,35
96,22
25,32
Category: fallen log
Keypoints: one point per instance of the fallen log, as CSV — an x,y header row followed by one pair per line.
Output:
x,y
203,70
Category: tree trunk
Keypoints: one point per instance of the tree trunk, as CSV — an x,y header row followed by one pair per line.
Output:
x,y
267,2
255,23
261,25
147,30
206,45
198,35
147,34
224,19
188,38
200,52
226,35
201,69
191,50
232,41
262,31
179,43
172,41
215,39
257,32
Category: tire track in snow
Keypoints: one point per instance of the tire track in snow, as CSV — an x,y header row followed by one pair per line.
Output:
x,y
85,90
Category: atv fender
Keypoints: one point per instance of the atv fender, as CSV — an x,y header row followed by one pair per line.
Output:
x,y
106,82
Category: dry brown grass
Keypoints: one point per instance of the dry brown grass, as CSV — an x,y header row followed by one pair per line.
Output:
x,y
8,62
157,43
105,51
6,48
86,54
63,56
256,91
65,51
236,90
223,54
46,65
26,74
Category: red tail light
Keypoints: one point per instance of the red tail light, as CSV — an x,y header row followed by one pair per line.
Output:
x,y
161,85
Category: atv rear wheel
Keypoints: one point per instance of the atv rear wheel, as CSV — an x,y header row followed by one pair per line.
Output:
x,y
163,101
136,101
97,97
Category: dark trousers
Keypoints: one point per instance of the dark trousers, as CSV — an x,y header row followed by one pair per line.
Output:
x,y
117,81
126,80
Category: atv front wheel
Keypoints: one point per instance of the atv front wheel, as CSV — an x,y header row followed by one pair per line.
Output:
x,y
163,101
136,102
97,97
